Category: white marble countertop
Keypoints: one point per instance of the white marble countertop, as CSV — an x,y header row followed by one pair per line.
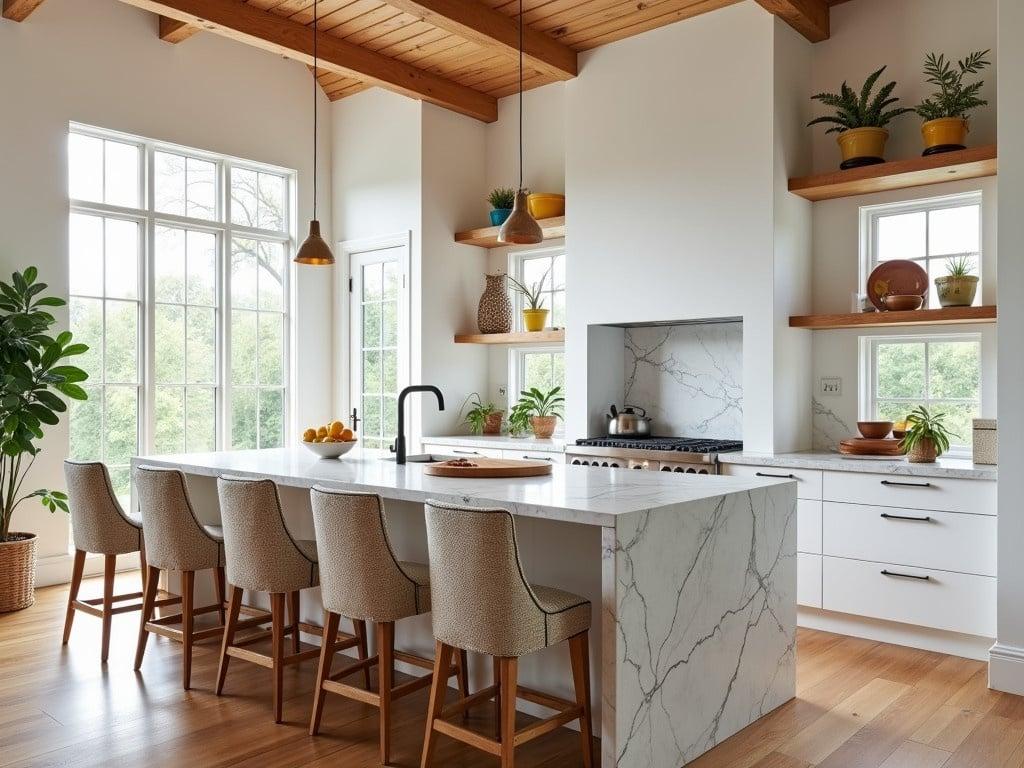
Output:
x,y
944,467
503,442
594,496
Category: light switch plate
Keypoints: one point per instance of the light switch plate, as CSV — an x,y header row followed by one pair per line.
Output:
x,y
831,386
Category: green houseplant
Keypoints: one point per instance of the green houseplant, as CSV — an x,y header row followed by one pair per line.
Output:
x,y
860,120
33,380
540,409
482,417
946,111
535,314
927,437
958,287
501,199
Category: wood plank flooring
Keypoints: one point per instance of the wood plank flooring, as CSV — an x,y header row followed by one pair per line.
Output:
x,y
860,704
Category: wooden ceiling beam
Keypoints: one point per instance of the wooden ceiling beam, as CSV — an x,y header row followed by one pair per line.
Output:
x,y
294,40
174,31
476,22
18,10
808,17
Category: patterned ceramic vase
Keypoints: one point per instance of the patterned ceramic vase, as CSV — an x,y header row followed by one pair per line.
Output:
x,y
494,314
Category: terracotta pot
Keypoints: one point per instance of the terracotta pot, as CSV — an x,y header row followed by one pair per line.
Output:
x,y
543,426
945,134
494,313
492,423
862,146
924,452
535,319
956,291
17,571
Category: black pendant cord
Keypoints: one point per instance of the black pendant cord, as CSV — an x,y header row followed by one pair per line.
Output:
x,y
315,106
520,95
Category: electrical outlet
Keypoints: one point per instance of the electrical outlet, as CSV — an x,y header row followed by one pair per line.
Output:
x,y
502,391
831,386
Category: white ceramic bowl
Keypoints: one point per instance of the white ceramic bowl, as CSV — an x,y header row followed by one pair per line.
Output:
x,y
331,450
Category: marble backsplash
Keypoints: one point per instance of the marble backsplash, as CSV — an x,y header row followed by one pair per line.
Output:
x,y
689,377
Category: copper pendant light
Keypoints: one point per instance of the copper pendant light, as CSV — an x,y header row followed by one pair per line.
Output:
x,y
314,250
520,228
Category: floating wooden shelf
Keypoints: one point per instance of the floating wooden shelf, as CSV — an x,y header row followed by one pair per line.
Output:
x,y
900,174
488,236
522,337
945,316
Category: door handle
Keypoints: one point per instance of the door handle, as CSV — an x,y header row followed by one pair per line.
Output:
x,y
911,518
906,485
885,572
777,477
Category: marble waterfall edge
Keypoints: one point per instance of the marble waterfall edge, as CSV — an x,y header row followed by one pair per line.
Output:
x,y
696,636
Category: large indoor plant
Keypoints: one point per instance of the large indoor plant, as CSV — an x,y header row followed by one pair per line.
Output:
x,y
33,380
958,287
541,409
946,111
482,418
535,314
927,437
860,120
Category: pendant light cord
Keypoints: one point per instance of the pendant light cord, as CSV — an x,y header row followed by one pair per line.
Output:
x,y
315,105
520,95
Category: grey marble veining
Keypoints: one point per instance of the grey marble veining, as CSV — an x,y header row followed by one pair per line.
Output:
x,y
943,467
828,427
689,377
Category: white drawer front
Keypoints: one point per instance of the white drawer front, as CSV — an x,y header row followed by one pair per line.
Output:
x,y
938,493
533,455
462,450
808,580
948,541
955,602
808,526
808,481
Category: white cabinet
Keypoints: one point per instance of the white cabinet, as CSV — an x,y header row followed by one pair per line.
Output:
x,y
808,580
808,481
532,455
943,494
808,526
462,450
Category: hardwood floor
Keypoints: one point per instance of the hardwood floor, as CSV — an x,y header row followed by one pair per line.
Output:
x,y
860,704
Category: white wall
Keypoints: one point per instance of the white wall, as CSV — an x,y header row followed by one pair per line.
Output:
x,y
102,63
869,33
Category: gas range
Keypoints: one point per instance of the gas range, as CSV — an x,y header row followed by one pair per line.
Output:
x,y
665,454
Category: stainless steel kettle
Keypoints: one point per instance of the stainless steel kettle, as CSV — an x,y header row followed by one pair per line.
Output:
x,y
628,423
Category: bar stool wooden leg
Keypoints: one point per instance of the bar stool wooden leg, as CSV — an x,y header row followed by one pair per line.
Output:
x,y
497,697
234,606
385,682
359,630
109,565
188,583
293,610
143,565
438,687
218,587
579,655
509,673
152,582
277,635
76,583
331,621
463,679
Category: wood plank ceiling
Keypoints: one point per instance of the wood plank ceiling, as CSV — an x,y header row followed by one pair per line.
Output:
x,y
460,54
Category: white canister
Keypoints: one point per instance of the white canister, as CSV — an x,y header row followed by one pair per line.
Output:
x,y
986,444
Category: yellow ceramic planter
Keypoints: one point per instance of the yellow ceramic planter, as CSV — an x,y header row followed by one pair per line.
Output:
x,y
862,146
944,134
545,205
535,319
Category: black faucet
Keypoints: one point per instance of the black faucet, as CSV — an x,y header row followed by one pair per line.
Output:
x,y
399,447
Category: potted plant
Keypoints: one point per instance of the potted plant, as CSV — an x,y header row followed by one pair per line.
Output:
x,y
860,120
959,287
501,199
946,111
927,437
482,417
519,419
33,375
535,315
543,409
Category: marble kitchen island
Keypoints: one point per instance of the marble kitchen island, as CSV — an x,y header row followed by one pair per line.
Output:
x,y
693,580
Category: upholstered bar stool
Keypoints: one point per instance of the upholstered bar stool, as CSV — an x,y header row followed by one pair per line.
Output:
x,y
176,541
100,526
262,556
482,602
362,580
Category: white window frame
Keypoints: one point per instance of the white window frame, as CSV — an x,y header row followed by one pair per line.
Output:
x,y
869,366
870,214
515,268
225,230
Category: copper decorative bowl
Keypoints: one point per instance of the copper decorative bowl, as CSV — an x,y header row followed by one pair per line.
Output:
x,y
874,430
900,303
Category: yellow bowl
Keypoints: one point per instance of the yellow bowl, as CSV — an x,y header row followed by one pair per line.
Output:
x,y
545,205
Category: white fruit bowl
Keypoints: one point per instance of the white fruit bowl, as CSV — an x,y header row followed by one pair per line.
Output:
x,y
331,450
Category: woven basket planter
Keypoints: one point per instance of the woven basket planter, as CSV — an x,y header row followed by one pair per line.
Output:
x,y
17,572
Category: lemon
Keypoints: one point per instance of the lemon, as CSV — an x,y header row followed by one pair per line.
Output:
x,y
309,436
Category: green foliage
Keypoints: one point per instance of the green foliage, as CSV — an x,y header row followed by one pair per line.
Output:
x,y
533,293
33,379
536,403
502,198
519,419
864,111
959,266
925,425
953,99
476,416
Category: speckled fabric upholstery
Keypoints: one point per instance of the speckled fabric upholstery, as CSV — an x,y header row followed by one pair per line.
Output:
x,y
175,539
261,554
360,577
482,601
98,523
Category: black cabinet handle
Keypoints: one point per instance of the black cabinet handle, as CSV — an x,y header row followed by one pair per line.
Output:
x,y
906,485
911,518
884,572
777,477
537,458
467,453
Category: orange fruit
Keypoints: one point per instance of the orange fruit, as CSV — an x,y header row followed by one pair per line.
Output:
x,y
309,436
347,435
335,428
322,432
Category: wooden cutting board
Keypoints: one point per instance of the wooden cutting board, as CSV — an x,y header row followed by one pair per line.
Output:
x,y
491,468
863,446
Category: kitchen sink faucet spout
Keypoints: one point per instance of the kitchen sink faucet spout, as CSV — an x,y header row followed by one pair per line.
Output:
x,y
399,446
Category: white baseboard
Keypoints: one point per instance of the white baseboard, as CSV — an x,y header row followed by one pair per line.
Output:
x,y
1006,668
940,641
56,569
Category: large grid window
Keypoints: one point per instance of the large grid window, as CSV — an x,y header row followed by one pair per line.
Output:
x,y
179,285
